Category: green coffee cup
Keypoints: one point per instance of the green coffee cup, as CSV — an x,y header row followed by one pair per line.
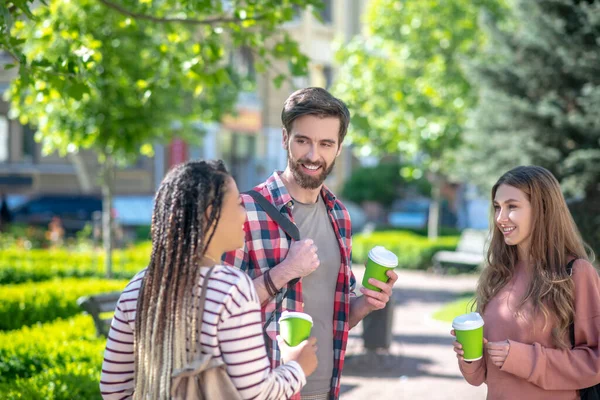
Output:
x,y
469,332
380,261
295,327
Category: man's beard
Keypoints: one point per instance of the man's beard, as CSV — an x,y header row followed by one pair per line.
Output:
x,y
308,181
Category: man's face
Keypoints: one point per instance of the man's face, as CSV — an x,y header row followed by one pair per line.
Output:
x,y
312,146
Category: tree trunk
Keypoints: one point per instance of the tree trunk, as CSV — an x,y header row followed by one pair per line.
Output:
x,y
107,219
434,208
83,177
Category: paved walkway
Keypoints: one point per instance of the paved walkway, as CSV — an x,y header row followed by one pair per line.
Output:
x,y
421,363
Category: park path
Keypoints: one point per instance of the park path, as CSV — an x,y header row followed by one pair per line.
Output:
x,y
420,363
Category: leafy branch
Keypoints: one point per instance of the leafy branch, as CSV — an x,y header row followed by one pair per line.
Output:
x,y
207,21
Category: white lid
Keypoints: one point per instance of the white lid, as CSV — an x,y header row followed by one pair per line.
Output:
x,y
468,321
296,314
383,257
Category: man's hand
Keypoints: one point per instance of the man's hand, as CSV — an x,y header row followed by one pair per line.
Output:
x,y
301,259
371,300
377,300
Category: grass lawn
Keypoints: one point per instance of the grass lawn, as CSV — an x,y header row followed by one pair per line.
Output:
x,y
451,310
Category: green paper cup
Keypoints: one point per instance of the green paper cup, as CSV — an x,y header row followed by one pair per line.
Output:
x,y
469,333
380,261
295,327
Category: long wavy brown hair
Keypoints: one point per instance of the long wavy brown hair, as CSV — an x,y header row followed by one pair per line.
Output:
x,y
555,240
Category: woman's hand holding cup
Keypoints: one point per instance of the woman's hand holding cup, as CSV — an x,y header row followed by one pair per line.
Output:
x,y
458,348
304,354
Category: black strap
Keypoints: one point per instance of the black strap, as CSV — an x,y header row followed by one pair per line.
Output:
x,y
284,223
290,229
572,326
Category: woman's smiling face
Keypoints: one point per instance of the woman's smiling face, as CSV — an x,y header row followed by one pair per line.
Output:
x,y
513,216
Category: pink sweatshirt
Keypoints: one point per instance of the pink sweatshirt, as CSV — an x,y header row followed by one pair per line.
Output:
x,y
534,368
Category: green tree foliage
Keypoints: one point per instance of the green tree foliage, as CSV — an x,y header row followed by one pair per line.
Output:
x,y
404,80
539,101
381,184
116,77
405,83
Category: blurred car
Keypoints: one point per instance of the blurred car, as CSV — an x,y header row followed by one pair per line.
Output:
x,y
74,211
409,213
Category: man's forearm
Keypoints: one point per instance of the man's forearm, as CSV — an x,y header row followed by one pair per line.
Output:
x,y
358,310
280,275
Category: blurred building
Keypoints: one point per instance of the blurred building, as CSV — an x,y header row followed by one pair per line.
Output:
x,y
250,143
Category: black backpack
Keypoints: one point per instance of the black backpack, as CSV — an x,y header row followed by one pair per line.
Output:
x,y
591,393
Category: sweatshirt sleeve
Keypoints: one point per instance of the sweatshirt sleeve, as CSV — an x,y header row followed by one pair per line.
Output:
x,y
475,372
242,345
572,369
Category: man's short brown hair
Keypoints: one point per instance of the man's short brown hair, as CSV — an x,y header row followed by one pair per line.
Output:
x,y
318,102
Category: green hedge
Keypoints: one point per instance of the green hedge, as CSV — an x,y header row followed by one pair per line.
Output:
x,y
30,303
18,266
413,251
59,360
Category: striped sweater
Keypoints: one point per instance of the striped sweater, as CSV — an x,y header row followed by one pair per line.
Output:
x,y
231,331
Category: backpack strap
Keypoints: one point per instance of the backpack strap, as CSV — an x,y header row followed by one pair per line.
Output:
x,y
290,229
201,307
572,326
284,223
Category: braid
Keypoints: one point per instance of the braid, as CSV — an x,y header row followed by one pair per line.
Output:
x,y
166,315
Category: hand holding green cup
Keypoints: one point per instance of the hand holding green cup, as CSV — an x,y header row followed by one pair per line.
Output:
x,y
380,261
469,333
295,327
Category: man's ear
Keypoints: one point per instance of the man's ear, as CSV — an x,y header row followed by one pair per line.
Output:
x,y
339,151
284,139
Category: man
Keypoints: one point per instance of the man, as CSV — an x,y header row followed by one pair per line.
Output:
x,y
314,126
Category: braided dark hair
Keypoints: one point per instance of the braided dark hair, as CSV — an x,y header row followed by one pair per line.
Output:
x,y
166,309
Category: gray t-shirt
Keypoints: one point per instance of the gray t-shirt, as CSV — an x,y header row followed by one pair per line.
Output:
x,y
318,288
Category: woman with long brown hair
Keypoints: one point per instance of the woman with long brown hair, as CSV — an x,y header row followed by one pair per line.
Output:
x,y
538,281
197,217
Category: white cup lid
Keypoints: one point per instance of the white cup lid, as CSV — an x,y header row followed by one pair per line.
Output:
x,y
468,321
383,257
296,314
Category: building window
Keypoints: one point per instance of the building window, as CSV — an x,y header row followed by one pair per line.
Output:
x,y
328,76
298,11
238,152
327,12
29,148
4,144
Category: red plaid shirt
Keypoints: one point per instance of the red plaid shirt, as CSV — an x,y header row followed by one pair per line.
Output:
x,y
267,246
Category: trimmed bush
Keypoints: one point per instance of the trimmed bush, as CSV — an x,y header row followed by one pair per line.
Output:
x,y
19,266
59,360
30,303
413,251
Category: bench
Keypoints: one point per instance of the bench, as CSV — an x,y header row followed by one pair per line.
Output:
x,y
98,304
469,253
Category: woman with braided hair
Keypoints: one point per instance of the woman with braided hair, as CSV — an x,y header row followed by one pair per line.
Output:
x,y
197,217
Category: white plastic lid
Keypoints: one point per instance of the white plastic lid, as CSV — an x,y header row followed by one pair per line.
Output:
x,y
383,257
468,321
296,314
